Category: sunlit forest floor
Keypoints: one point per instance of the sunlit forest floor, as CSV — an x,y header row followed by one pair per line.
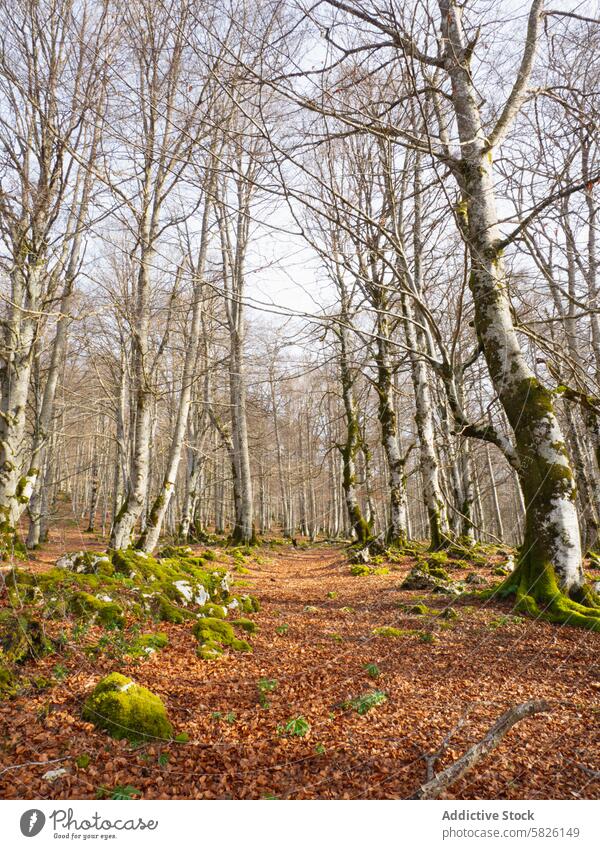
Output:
x,y
324,707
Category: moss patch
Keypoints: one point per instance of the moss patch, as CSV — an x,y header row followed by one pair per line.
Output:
x,y
246,625
22,637
389,632
86,606
127,711
214,636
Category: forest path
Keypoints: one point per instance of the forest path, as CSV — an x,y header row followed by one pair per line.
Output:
x,y
315,638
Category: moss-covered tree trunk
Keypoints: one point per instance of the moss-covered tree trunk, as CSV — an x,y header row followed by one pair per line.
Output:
x,y
397,530
549,578
350,448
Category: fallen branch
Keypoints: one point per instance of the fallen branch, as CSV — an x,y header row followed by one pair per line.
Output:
x,y
433,788
36,763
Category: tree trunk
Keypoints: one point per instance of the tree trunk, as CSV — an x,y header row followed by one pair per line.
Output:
x,y
550,562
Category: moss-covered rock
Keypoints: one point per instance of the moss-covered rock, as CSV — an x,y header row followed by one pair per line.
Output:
x,y
22,637
165,611
127,711
249,604
86,563
246,625
419,579
86,606
474,578
419,609
149,643
217,611
215,635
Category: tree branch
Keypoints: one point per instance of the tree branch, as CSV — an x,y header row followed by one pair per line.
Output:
x,y
432,789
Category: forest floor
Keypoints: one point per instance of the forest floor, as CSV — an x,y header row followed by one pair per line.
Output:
x,y
315,639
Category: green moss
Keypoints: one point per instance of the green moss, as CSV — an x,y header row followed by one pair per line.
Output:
x,y
460,564
175,551
425,577
86,606
22,638
214,610
535,587
389,632
165,611
436,558
439,572
246,625
427,637
86,563
127,711
419,609
146,643
360,569
8,681
249,604
214,635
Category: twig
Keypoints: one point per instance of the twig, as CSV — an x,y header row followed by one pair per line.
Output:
x,y
35,763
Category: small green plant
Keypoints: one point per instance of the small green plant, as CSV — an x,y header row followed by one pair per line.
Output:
x,y
332,594
79,631
337,638
60,672
282,629
372,670
216,716
296,727
503,621
428,637
163,759
184,737
122,792
310,608
320,749
364,703
231,717
83,761
265,685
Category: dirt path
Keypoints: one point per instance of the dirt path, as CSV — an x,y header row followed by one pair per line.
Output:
x,y
315,638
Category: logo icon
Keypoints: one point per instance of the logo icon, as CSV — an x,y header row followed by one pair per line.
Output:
x,y
32,822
